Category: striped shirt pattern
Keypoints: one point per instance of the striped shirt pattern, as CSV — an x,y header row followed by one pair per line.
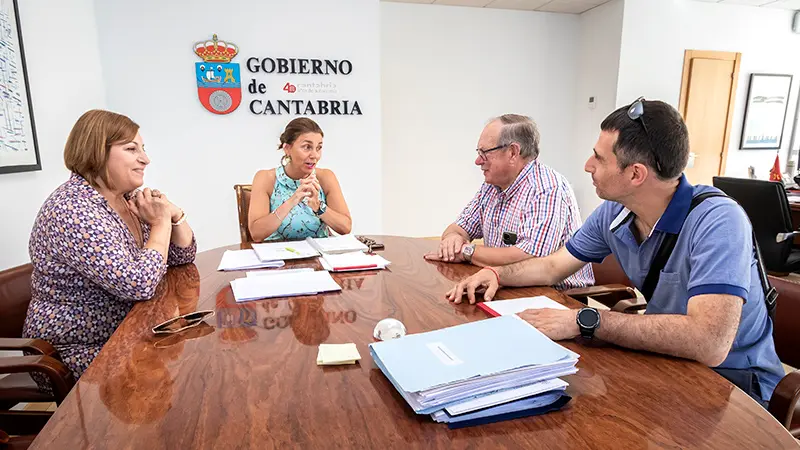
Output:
x,y
539,207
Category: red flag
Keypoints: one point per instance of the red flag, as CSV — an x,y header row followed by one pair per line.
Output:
x,y
775,172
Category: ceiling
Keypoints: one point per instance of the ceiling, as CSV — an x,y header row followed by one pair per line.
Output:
x,y
580,6
780,4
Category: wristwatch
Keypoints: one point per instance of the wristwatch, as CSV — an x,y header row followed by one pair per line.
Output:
x,y
467,250
322,208
588,321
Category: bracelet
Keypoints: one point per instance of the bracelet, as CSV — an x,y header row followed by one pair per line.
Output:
x,y
181,220
495,274
277,215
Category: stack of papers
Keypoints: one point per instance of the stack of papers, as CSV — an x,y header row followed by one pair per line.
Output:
x,y
517,305
339,244
348,262
245,260
283,285
335,354
266,273
529,406
270,251
475,366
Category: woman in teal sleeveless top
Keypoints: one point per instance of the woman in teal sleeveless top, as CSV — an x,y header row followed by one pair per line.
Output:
x,y
302,221
297,199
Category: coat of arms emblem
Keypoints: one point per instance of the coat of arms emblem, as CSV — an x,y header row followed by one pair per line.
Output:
x,y
219,86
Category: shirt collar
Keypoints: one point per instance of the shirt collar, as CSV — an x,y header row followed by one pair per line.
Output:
x,y
677,210
671,221
514,187
85,189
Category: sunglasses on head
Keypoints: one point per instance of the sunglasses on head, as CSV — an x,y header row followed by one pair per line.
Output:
x,y
636,113
180,323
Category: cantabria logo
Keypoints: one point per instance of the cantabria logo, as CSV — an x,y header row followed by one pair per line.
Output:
x,y
219,86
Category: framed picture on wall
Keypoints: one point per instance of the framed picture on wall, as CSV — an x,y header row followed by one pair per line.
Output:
x,y
19,150
765,112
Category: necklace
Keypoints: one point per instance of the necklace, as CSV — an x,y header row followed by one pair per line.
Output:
x,y
136,230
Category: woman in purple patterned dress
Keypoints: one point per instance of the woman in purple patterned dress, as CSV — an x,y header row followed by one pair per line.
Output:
x,y
98,243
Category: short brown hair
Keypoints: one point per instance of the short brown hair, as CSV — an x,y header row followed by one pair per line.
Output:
x,y
296,127
91,138
666,135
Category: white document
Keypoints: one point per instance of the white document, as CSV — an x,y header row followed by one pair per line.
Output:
x,y
506,396
353,261
517,305
337,244
269,251
263,273
245,259
283,285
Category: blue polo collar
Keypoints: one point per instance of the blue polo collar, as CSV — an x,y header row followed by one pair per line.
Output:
x,y
677,210
671,221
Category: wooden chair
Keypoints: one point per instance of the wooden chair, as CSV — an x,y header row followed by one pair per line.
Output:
x,y
15,442
18,386
785,404
612,288
243,192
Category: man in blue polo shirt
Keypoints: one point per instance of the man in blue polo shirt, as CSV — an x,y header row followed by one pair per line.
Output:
x,y
708,304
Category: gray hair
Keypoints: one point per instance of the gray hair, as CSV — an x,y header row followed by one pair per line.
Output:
x,y
523,131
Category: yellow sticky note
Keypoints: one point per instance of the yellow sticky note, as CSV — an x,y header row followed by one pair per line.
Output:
x,y
334,354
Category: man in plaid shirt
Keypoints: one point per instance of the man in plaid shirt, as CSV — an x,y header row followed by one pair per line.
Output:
x,y
524,209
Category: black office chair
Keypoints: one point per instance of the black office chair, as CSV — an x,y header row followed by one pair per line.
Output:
x,y
766,204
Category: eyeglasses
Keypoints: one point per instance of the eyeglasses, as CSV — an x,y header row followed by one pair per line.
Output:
x,y
183,322
636,113
482,153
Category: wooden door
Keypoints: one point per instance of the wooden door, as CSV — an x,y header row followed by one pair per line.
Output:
x,y
708,93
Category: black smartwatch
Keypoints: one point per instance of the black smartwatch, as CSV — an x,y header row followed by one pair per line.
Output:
x,y
588,320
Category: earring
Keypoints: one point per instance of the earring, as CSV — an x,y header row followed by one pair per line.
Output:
x,y
285,160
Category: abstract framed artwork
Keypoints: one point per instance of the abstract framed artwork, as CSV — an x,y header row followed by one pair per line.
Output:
x,y
765,111
19,150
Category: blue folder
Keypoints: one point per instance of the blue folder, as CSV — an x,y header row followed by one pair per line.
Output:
x,y
418,362
489,416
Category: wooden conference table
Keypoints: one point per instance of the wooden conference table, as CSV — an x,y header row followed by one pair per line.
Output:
x,y
249,379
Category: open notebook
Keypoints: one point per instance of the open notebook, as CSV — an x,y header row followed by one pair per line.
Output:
x,y
270,251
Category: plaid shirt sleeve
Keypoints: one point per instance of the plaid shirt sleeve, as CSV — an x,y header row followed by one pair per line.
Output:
x,y
470,217
545,224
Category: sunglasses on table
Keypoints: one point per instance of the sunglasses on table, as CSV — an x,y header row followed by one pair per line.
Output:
x,y
371,244
184,322
636,113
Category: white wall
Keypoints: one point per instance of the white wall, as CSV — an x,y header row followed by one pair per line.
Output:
x,y
598,70
444,72
147,54
656,33
63,85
